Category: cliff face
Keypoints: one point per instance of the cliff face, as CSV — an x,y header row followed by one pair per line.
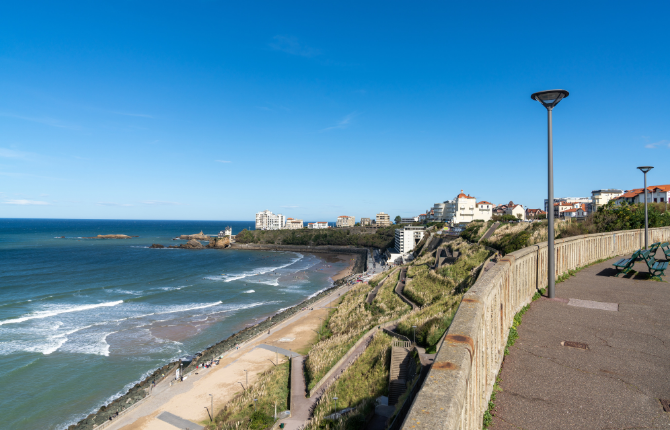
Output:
x,y
219,242
199,236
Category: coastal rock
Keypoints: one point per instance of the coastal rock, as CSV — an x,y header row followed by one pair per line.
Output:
x,y
192,244
110,236
219,242
199,236
156,246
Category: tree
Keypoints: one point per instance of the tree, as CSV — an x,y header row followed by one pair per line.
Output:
x,y
397,219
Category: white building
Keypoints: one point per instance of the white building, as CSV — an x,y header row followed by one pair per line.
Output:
x,y
516,211
407,238
345,221
317,225
461,209
423,217
365,222
437,212
602,197
483,210
585,200
655,194
409,220
266,220
293,224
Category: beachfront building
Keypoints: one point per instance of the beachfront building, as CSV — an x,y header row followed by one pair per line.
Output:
x,y
382,220
602,197
484,210
266,220
461,209
407,238
317,225
437,212
293,224
409,220
345,221
366,222
655,194
516,211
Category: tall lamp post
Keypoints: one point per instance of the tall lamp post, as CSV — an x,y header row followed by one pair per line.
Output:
x,y
644,170
549,100
414,329
211,410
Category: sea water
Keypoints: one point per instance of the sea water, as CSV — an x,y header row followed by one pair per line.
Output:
x,y
83,320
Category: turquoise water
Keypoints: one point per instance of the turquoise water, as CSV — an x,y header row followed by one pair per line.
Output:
x,y
83,320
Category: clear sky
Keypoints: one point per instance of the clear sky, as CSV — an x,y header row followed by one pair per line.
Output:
x,y
217,110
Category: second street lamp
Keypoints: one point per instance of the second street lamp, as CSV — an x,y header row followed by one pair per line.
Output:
x,y
644,170
549,100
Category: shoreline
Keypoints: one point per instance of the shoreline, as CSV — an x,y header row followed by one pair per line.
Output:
x,y
257,327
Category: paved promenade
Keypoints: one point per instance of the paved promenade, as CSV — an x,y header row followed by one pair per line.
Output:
x,y
616,382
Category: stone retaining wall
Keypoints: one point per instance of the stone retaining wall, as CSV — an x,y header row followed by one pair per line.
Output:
x,y
458,387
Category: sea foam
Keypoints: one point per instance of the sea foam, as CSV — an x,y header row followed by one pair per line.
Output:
x,y
51,313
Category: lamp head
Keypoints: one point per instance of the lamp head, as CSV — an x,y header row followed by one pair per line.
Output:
x,y
645,169
549,98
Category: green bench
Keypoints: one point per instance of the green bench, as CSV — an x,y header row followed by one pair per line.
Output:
x,y
656,268
654,247
625,265
665,246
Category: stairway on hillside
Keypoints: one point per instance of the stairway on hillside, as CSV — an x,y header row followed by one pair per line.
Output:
x,y
399,374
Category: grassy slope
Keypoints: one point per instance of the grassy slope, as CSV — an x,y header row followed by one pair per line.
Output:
x,y
272,386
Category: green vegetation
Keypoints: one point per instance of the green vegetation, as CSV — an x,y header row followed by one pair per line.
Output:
x,y
471,257
349,322
382,237
397,219
365,380
475,230
272,386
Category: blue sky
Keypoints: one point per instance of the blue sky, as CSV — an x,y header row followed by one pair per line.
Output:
x,y
214,110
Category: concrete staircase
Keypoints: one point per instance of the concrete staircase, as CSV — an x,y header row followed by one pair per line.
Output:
x,y
399,373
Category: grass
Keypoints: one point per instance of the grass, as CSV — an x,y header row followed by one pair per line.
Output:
x,y
272,386
349,322
365,380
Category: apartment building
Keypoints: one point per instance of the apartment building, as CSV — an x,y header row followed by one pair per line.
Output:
x,y
345,221
461,209
266,220
407,238
293,224
318,225
484,210
602,197
409,220
382,220
423,217
437,212
366,222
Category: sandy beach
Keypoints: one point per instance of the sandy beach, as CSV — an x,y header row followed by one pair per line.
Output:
x,y
189,399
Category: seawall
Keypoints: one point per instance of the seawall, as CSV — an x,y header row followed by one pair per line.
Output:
x,y
456,392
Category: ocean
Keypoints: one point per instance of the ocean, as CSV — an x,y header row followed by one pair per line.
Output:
x,y
83,320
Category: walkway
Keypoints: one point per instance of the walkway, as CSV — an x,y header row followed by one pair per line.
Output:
x,y
178,422
616,381
489,232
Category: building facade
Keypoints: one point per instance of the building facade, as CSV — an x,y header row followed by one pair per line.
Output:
x,y
366,222
516,211
266,220
382,219
407,238
534,213
318,225
655,194
585,200
345,221
409,220
602,197
293,224
483,210
461,209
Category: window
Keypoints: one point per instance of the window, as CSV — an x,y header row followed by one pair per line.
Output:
x,y
655,200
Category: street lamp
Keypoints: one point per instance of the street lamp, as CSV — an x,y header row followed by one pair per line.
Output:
x,y
549,100
247,373
644,170
335,398
211,410
414,329
255,400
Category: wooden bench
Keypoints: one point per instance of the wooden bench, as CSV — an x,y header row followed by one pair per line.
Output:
x,y
656,268
625,265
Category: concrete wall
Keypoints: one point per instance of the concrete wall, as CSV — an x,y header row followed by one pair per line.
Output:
x,y
456,392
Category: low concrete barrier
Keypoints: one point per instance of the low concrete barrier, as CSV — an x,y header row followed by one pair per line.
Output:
x,y
456,392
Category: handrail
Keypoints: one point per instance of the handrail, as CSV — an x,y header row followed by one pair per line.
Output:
x,y
460,382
